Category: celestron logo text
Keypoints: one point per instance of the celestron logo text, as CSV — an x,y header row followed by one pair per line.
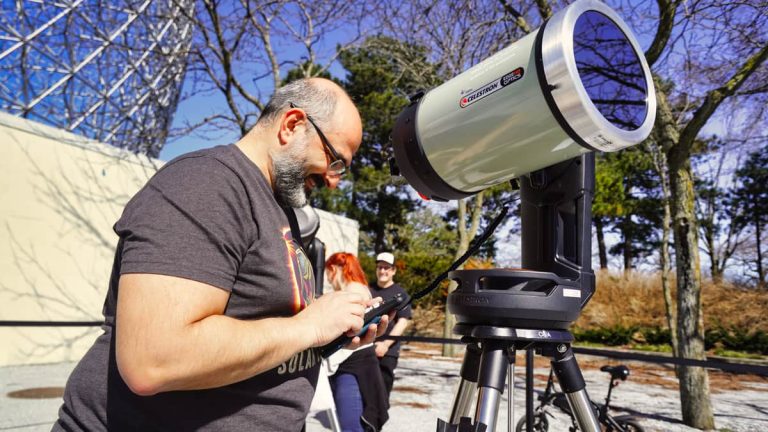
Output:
x,y
491,87
468,298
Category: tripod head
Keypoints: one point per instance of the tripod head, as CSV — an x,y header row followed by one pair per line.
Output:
x,y
557,280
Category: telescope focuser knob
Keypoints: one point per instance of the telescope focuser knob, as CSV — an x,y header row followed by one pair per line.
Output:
x,y
416,96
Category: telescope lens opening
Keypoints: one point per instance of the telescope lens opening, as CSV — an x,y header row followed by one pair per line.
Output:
x,y
610,71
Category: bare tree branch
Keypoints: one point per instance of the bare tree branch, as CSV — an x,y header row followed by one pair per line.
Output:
x,y
667,10
243,49
544,8
715,97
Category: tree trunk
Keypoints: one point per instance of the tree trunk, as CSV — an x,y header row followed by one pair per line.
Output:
x,y
665,272
466,234
694,381
711,249
601,251
662,169
449,350
627,247
760,271
717,274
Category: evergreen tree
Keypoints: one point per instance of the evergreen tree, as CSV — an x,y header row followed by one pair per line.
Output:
x,y
627,200
608,203
750,198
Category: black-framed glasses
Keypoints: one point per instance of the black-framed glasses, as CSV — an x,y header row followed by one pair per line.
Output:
x,y
337,166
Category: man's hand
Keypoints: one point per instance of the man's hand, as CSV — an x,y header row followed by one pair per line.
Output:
x,y
337,313
397,330
374,330
382,347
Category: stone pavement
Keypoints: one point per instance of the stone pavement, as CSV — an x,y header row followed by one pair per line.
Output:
x,y
424,390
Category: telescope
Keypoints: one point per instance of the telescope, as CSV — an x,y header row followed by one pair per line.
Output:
x,y
536,111
578,84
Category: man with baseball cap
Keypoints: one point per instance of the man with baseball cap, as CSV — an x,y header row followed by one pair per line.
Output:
x,y
387,350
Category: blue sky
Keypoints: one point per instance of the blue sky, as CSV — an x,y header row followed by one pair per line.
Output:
x,y
198,107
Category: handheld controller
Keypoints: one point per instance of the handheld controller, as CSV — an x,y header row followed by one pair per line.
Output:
x,y
373,316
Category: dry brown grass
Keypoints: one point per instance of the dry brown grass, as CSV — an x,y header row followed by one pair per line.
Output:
x,y
636,299
427,321
411,389
624,300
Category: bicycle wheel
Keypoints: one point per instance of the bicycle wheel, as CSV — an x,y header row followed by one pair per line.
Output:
x,y
629,425
540,423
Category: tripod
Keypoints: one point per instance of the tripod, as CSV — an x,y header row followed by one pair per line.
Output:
x,y
500,311
490,358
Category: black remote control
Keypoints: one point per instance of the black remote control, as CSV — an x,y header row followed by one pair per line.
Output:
x,y
373,316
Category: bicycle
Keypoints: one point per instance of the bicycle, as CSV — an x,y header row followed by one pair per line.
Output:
x,y
609,423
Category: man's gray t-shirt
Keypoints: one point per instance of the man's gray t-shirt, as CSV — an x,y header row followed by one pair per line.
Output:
x,y
209,216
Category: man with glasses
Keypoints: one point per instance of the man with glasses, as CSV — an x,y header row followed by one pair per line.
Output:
x,y
210,317
388,350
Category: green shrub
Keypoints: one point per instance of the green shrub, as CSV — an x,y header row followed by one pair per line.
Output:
x,y
656,336
737,339
718,338
612,336
653,348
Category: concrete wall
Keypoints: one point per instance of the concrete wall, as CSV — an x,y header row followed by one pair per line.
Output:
x,y
60,194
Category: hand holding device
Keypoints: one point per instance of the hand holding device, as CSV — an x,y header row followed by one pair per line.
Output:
x,y
373,316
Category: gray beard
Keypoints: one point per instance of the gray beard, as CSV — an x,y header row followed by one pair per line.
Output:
x,y
288,169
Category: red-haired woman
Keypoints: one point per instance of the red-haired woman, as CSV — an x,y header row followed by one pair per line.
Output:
x,y
358,387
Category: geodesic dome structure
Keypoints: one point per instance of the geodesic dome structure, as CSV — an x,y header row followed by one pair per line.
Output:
x,y
110,70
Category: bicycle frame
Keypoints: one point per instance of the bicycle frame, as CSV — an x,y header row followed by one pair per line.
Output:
x,y
550,397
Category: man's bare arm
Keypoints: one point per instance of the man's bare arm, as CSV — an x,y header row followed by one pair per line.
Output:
x,y
172,334
397,330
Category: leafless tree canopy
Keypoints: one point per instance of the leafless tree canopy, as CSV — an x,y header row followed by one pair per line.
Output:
x,y
708,41
243,50
459,33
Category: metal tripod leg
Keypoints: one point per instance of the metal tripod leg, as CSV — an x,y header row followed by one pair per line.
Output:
x,y
572,384
470,368
511,389
490,382
334,419
529,390
462,405
486,370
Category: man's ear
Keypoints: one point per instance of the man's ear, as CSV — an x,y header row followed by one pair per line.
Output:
x,y
290,123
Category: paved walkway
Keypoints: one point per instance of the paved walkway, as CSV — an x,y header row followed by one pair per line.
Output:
x,y
424,389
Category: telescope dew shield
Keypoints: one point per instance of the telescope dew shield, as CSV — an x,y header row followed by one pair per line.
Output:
x,y
579,83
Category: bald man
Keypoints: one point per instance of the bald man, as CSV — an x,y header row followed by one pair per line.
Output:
x,y
210,322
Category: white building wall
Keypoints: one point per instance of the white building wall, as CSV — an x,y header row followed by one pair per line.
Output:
x,y
60,194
